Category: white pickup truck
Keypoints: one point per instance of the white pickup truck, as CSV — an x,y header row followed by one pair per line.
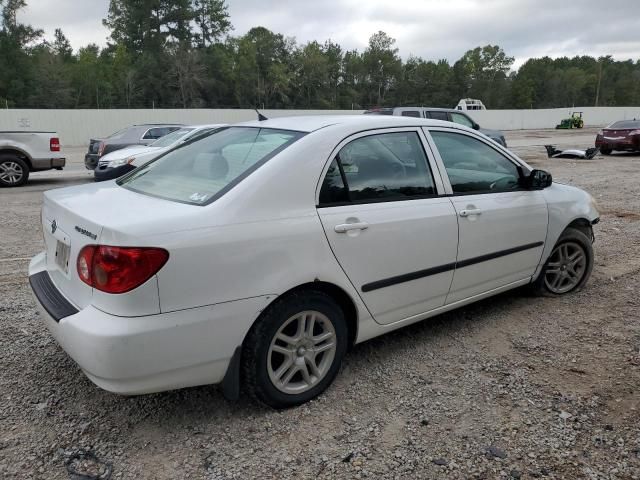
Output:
x,y
22,152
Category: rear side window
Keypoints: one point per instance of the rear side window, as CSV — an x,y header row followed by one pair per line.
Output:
x,y
411,113
383,167
199,172
158,132
473,166
439,115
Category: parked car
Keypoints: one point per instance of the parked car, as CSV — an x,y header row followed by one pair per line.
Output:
x,y
262,252
24,152
134,135
115,164
619,136
445,114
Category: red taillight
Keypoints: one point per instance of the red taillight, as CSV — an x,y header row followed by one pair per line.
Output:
x,y
119,269
101,148
54,144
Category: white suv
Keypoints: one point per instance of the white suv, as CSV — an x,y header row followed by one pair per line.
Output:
x,y
258,254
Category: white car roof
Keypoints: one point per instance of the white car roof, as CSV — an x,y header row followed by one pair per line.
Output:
x,y
310,123
207,125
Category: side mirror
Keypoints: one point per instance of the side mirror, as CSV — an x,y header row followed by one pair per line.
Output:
x,y
538,179
476,126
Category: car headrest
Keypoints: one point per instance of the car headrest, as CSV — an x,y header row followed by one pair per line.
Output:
x,y
211,165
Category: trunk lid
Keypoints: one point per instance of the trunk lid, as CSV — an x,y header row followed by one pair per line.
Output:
x,y
618,133
106,214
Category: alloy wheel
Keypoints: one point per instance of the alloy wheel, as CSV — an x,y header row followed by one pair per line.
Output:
x,y
301,352
566,267
11,172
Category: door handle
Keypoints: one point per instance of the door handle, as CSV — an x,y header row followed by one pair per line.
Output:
x,y
345,227
470,211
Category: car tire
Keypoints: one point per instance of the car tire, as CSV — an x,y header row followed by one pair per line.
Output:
x,y
569,266
605,151
273,369
14,171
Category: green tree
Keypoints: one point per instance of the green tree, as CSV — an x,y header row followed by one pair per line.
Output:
x,y
212,21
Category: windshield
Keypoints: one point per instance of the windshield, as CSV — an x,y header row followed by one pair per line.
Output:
x,y
119,133
170,138
623,124
199,172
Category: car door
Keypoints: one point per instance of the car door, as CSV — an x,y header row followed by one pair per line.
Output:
x,y
502,226
394,237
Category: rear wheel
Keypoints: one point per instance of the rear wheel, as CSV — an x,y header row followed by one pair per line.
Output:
x,y
294,351
569,265
605,151
13,171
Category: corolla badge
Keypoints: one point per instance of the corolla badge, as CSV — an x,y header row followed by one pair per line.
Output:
x,y
54,227
81,230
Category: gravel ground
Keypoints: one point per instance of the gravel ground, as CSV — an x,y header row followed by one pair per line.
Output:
x,y
511,387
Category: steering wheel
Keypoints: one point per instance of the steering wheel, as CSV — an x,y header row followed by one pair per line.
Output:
x,y
503,182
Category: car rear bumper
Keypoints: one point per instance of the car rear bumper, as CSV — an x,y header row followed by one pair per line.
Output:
x,y
47,163
103,172
91,160
138,355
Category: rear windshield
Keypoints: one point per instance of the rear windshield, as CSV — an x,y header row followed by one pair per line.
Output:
x,y
171,137
199,172
625,124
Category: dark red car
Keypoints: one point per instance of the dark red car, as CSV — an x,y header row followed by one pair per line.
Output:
x,y
623,135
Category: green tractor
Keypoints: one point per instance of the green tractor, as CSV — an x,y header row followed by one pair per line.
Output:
x,y
575,121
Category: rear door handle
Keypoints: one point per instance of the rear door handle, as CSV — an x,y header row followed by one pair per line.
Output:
x,y
470,211
345,227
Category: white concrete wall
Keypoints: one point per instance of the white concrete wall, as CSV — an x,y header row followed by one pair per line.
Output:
x,y
75,127
549,118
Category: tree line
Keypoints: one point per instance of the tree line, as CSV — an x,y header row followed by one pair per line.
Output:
x,y
181,54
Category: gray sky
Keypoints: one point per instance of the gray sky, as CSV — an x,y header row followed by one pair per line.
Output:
x,y
431,29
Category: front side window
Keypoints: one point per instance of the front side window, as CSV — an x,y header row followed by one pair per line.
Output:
x,y
473,166
411,113
200,171
461,119
387,166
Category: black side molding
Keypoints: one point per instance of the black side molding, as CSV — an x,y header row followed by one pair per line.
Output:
x,y
50,297
387,282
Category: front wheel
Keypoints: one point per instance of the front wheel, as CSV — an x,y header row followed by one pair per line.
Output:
x,y
605,151
294,351
569,265
13,171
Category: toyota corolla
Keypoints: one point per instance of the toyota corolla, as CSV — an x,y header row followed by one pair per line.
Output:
x,y
256,256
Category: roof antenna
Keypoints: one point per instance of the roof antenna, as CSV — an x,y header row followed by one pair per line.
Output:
x,y
261,117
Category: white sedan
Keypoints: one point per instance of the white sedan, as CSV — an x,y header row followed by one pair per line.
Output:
x,y
119,162
259,254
